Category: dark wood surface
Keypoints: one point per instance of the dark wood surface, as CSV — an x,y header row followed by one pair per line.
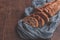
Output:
x,y
10,12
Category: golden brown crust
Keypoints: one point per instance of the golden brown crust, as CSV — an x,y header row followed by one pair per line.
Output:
x,y
40,20
41,15
31,21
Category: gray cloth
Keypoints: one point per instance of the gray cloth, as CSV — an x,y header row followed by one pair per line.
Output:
x,y
28,32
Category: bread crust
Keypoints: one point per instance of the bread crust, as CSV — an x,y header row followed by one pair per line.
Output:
x,y
31,21
42,15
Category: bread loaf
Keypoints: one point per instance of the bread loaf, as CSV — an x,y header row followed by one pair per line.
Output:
x,y
41,15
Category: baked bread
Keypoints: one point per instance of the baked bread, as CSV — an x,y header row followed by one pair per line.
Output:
x,y
41,15
31,21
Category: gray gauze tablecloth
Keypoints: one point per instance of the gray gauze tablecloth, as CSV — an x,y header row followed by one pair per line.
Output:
x,y
28,32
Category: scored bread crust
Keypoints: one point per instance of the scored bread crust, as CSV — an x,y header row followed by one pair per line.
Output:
x,y
31,21
42,15
40,20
